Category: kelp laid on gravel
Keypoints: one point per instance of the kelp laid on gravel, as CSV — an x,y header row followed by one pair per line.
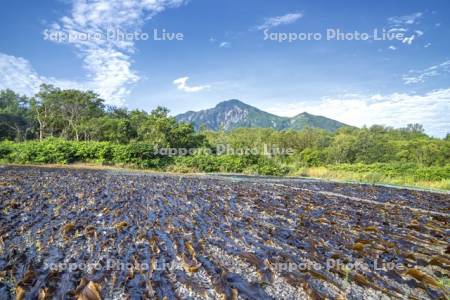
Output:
x,y
90,234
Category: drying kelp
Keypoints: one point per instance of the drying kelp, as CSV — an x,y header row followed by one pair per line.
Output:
x,y
84,234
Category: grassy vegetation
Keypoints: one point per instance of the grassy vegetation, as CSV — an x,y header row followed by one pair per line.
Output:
x,y
133,155
422,177
141,155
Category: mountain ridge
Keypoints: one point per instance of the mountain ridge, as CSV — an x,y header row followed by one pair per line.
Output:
x,y
233,113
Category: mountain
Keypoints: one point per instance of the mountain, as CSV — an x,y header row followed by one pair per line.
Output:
x,y
235,114
305,119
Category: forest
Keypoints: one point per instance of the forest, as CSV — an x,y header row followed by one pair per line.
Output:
x,y
58,126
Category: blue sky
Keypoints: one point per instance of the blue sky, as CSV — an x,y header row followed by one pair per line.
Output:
x,y
225,53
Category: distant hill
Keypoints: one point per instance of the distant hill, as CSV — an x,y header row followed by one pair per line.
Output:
x,y
233,114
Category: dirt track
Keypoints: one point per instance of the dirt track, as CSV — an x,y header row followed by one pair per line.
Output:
x,y
88,233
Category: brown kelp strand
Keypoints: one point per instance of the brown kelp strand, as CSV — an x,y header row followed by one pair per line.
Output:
x,y
92,234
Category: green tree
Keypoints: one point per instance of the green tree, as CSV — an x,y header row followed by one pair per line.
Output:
x,y
64,112
164,131
342,149
372,146
78,107
15,118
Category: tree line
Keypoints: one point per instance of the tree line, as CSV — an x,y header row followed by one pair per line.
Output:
x,y
82,116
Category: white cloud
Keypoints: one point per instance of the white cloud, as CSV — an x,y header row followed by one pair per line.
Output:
x,y
404,24
107,61
16,73
398,109
181,84
393,48
225,45
420,76
280,20
410,19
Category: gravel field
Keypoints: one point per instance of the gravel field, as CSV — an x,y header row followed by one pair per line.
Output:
x,y
102,234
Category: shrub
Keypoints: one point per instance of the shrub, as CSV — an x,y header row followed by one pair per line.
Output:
x,y
48,151
101,152
201,162
392,170
233,164
312,157
139,154
6,148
